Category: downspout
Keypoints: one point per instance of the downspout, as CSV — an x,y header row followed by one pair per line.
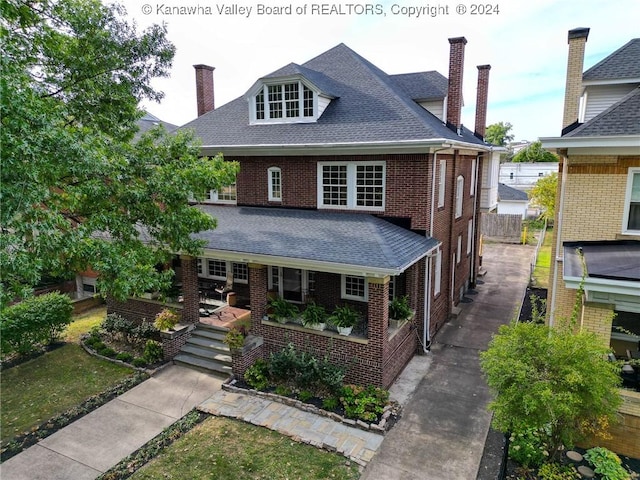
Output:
x,y
558,230
426,334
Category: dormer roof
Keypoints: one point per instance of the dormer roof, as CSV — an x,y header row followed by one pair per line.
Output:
x,y
423,86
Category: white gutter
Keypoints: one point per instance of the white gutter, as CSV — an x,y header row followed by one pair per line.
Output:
x,y
621,141
402,146
558,230
426,322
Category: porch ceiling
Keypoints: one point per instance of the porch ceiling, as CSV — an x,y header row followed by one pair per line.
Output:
x,y
326,241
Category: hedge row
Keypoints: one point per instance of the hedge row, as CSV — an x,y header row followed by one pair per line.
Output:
x,y
34,322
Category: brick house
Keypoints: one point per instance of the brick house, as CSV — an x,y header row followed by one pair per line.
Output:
x,y
597,222
355,187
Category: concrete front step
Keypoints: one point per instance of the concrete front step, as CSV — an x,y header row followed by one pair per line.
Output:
x,y
207,353
207,343
202,364
210,334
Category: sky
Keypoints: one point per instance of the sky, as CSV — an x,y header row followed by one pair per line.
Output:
x,y
525,42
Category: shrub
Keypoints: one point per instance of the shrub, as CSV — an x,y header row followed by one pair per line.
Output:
x,y
364,403
124,357
139,362
166,319
305,395
330,403
118,326
34,321
145,331
556,471
283,390
257,375
606,463
153,352
234,339
528,447
107,352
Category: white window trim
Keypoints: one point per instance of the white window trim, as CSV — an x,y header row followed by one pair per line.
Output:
x,y
214,197
343,285
459,195
271,171
459,249
627,202
472,185
264,88
351,186
437,282
469,236
229,267
304,280
442,183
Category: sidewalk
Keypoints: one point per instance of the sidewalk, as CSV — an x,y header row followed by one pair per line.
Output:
x,y
442,432
96,442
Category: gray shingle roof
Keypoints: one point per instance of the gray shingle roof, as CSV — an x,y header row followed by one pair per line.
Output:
x,y
330,238
423,86
370,107
149,121
505,192
622,118
623,63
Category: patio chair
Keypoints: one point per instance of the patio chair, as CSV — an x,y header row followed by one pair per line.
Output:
x,y
227,287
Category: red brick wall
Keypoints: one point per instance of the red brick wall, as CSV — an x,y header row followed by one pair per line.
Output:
x,y
138,310
190,290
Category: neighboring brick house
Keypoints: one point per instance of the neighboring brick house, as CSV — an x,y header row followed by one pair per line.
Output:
x,y
597,224
355,186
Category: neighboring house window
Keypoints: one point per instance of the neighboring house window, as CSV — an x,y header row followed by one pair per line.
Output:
x,y
217,270
469,236
632,202
392,287
354,288
275,184
225,195
292,284
438,276
472,186
284,102
442,182
459,249
353,185
459,195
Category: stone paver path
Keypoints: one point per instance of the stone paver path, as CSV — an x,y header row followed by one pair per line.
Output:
x,y
322,432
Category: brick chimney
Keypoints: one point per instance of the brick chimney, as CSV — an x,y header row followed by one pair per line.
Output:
x,y
204,88
573,89
454,93
481,101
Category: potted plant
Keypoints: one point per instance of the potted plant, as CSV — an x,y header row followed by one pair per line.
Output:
x,y
166,320
235,339
314,317
399,311
344,318
281,310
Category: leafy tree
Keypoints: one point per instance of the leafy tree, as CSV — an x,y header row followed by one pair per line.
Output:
x,y
534,153
553,381
498,133
76,190
543,194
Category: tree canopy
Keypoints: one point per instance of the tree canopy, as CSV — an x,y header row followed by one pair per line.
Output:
x,y
77,191
534,153
543,194
498,133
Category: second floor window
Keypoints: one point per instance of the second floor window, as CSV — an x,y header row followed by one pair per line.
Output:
x,y
631,221
353,185
275,184
459,195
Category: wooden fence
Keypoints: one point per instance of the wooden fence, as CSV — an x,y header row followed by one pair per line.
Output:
x,y
502,228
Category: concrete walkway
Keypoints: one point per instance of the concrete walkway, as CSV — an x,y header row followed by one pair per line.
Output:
x,y
96,442
442,432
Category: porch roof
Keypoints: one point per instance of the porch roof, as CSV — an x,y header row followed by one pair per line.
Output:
x,y
359,244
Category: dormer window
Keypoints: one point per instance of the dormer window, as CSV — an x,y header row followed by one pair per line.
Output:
x,y
290,101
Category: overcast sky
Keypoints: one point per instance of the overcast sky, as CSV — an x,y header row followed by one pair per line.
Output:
x,y
525,42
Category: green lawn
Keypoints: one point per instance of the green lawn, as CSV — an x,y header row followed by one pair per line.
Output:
x,y
226,449
543,263
50,384
83,322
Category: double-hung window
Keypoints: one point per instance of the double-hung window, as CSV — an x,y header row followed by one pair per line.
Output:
x,y
351,185
217,269
631,221
442,179
459,195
